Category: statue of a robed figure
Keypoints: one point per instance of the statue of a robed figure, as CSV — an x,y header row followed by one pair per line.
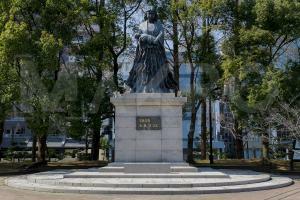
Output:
x,y
151,72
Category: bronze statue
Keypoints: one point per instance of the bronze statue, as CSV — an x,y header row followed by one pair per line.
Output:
x,y
151,72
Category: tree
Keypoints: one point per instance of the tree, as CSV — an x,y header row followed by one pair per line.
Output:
x,y
257,38
286,109
187,19
209,62
288,117
106,41
232,48
121,13
34,34
8,93
8,75
274,25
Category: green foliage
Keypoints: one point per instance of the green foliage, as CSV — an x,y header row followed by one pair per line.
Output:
x,y
104,143
278,16
77,128
8,89
33,35
259,35
52,153
49,49
100,56
13,39
290,84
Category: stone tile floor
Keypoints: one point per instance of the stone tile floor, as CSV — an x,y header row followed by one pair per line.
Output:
x,y
287,193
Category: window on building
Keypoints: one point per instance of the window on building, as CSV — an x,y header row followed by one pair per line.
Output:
x,y
7,131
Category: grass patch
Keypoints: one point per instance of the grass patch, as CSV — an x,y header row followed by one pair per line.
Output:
x,y
18,168
280,166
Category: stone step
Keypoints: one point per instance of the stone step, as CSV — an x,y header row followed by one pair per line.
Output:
x,y
146,175
111,169
183,169
22,183
153,183
145,164
154,169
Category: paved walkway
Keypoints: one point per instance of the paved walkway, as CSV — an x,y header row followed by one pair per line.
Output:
x,y
287,193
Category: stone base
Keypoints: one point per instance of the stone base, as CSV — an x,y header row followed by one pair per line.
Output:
x,y
163,145
91,181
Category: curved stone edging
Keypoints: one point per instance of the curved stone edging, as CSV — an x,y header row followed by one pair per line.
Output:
x,y
242,181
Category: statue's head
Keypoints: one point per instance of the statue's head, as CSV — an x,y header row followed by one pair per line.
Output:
x,y
151,15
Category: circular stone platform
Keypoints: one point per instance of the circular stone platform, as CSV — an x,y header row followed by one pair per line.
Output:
x,y
95,181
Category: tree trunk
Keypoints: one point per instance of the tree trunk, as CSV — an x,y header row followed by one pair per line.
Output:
x,y
115,74
86,143
33,149
265,146
239,141
42,147
107,154
211,156
239,148
95,144
203,129
1,135
190,157
175,48
1,130
194,108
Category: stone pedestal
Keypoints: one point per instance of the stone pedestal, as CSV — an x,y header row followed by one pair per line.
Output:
x,y
162,142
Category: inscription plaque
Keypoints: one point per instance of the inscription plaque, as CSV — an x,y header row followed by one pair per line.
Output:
x,y
148,123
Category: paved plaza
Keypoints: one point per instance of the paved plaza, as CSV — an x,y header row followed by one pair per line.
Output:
x,y
286,193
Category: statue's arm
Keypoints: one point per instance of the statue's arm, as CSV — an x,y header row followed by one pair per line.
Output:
x,y
153,40
138,34
147,38
160,38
